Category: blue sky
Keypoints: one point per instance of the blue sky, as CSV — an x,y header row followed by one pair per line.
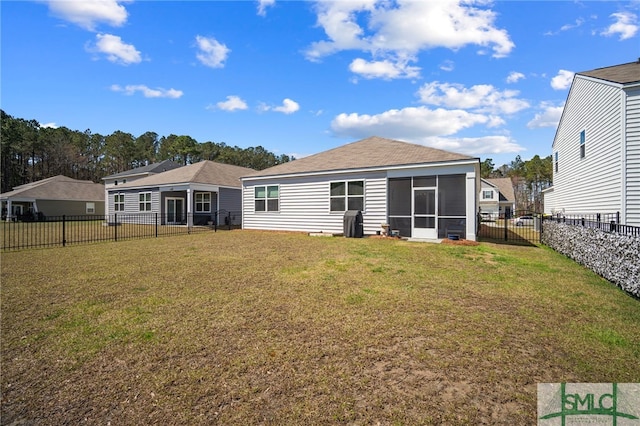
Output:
x,y
483,78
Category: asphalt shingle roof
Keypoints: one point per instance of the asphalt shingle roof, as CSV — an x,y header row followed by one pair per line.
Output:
x,y
372,152
622,74
58,188
505,186
159,167
207,172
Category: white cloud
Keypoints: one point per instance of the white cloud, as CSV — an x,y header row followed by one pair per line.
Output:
x,y
49,126
447,65
212,53
549,117
495,144
262,6
480,98
403,28
625,25
407,123
115,49
563,80
514,77
148,92
288,106
89,13
232,103
383,69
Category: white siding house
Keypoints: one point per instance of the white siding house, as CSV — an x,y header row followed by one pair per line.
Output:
x,y
497,198
596,150
422,192
195,194
132,175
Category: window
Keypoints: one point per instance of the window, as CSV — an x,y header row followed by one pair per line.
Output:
x,y
582,144
346,196
203,202
267,198
555,162
487,195
144,199
91,208
118,202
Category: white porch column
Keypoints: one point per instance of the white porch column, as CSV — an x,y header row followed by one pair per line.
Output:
x,y
189,207
472,210
9,212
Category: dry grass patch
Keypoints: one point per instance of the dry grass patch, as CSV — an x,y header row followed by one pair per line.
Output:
x,y
249,327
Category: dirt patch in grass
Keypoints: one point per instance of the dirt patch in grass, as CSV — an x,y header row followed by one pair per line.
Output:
x,y
247,327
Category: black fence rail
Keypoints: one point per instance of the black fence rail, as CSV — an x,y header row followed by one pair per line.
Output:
x,y
524,227
609,222
61,231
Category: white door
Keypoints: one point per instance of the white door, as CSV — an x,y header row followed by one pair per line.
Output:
x,y
175,210
424,213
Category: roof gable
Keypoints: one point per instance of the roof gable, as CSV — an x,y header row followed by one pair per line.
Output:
x,y
504,186
58,188
372,152
205,172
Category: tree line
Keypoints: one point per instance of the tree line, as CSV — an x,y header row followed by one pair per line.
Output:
x,y
30,152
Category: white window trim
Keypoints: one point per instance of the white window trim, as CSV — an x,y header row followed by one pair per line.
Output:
x,y
202,202
117,203
266,199
346,195
90,208
145,202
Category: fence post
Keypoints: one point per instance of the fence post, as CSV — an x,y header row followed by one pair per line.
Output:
x,y
156,224
64,230
506,233
617,217
115,226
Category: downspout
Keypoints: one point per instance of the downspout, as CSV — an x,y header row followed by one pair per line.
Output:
x,y
623,194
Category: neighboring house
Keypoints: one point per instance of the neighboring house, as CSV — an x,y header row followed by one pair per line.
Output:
x,y
596,149
132,175
421,192
54,196
192,194
497,198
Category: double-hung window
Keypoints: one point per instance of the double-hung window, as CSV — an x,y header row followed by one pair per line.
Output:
x,y
487,194
267,198
203,202
144,199
118,202
555,161
346,196
90,208
582,144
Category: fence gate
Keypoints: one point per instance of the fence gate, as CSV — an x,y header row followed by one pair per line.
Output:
x,y
523,227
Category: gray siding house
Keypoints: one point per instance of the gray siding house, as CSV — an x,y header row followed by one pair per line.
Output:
x,y
497,198
596,149
190,195
54,196
421,192
132,175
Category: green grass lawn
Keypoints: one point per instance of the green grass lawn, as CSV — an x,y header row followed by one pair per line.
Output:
x,y
243,327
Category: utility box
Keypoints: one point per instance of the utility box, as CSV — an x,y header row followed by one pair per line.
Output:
x,y
353,226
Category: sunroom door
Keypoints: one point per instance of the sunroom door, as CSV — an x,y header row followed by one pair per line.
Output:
x,y
175,210
424,213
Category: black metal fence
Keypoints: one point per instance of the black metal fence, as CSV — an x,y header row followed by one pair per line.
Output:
x,y
61,231
609,222
524,227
